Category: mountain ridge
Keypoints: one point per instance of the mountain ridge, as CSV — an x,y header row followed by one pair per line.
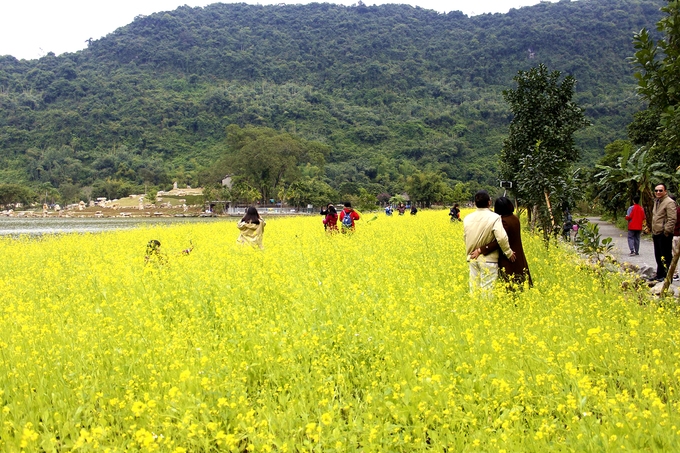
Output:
x,y
391,89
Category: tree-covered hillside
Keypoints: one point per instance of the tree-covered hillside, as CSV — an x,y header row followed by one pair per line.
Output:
x,y
389,89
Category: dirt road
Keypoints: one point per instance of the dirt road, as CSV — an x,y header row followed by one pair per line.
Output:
x,y
621,250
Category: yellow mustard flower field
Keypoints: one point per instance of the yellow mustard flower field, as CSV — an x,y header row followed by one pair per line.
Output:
x,y
348,343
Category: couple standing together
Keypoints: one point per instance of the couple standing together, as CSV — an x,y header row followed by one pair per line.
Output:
x,y
493,244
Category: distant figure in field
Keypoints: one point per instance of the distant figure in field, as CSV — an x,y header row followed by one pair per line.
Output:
x,y
567,226
401,208
388,210
330,222
252,228
347,218
635,217
324,213
414,210
190,249
480,228
454,213
324,209
153,253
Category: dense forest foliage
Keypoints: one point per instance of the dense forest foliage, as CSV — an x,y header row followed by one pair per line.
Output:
x,y
388,90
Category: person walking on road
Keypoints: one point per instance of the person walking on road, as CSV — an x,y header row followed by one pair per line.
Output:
x,y
635,217
664,215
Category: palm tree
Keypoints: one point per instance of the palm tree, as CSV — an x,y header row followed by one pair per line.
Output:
x,y
634,174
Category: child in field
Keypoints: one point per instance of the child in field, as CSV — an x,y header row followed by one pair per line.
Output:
x,y
153,253
252,228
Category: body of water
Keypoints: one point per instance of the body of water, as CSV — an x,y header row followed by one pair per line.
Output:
x,y
15,226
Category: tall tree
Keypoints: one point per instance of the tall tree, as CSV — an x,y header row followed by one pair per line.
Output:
x,y
11,194
426,188
539,151
311,191
658,75
269,160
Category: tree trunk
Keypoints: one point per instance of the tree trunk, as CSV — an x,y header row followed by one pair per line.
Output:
x,y
547,202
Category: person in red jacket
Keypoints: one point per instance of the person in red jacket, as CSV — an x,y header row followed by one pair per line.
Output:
x,y
330,222
347,217
635,217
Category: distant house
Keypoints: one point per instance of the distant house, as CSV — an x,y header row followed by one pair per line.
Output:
x,y
227,182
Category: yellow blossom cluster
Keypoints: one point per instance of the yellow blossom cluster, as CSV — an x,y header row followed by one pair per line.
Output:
x,y
336,343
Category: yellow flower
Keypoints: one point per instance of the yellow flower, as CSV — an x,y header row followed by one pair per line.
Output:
x,y
138,408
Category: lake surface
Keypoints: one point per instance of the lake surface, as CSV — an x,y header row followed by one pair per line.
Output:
x,y
15,226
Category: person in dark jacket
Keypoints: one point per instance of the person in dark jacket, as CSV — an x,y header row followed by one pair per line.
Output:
x,y
454,213
664,215
567,226
514,272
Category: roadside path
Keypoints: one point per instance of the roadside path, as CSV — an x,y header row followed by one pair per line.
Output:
x,y
620,241
645,261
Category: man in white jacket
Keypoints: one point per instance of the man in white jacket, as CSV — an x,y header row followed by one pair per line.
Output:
x,y
479,229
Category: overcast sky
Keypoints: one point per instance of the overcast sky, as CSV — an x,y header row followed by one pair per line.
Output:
x,y
31,28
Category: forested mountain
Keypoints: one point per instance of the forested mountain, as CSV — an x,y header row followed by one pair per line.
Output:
x,y
389,89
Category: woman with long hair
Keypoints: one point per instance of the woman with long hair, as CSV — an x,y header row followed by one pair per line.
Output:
x,y
517,271
252,228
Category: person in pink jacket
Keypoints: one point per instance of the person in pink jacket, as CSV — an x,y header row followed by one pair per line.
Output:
x,y
635,217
